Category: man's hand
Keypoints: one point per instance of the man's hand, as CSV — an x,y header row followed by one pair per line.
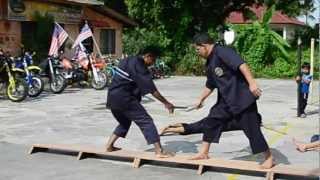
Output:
x,y
166,103
249,77
298,78
255,90
169,106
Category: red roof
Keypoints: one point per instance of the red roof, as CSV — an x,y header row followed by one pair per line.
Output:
x,y
277,18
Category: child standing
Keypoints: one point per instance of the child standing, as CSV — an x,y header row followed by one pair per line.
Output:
x,y
304,80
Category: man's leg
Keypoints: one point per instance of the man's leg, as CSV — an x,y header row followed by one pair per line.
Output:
x,y
120,131
139,115
213,126
212,129
183,128
250,123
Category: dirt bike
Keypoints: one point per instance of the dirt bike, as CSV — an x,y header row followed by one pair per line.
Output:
x,y
85,71
109,69
160,70
30,73
15,86
50,68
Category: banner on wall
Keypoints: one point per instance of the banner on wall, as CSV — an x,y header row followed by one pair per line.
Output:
x,y
19,10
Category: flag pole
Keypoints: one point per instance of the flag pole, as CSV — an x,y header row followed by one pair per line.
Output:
x,y
66,32
95,42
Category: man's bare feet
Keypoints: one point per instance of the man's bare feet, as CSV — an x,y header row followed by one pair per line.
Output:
x,y
173,128
199,157
299,146
268,163
112,148
165,154
163,130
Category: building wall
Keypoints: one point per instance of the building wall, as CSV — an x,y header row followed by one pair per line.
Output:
x,y
99,22
10,30
288,30
10,36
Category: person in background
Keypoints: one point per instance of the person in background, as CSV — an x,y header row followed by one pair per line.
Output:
x,y
304,79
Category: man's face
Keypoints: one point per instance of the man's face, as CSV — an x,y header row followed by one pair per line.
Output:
x,y
305,70
203,50
149,59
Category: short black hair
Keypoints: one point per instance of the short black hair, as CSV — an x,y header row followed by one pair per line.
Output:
x,y
305,65
151,49
202,38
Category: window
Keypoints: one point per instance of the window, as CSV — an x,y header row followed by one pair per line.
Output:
x,y
108,41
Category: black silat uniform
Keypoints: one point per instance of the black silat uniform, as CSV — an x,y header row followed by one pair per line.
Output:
x,y
236,106
131,81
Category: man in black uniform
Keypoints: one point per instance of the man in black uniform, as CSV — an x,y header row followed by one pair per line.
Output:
x,y
237,94
132,80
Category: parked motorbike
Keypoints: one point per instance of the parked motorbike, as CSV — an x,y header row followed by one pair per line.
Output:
x,y
160,70
85,71
51,68
15,86
31,74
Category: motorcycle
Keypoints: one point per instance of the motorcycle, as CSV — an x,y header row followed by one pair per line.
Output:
x,y
30,72
51,68
160,70
85,71
109,69
16,87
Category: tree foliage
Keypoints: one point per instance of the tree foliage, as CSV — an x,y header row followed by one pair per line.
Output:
x,y
259,44
176,21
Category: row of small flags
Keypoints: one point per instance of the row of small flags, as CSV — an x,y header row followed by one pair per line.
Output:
x,y
59,36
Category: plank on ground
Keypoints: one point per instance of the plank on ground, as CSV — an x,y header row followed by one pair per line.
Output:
x,y
183,159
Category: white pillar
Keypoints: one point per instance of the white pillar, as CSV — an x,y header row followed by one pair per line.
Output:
x,y
284,33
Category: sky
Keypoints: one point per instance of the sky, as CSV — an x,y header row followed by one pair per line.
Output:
x,y
314,13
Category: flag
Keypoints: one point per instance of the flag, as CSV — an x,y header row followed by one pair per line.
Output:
x,y
58,37
80,52
84,34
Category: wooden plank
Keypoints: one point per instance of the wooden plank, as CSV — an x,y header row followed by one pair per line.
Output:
x,y
295,171
87,150
80,155
35,149
270,176
234,164
200,169
136,162
183,159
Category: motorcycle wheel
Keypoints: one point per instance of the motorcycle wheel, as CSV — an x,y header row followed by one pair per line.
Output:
x,y
102,83
19,93
58,84
37,86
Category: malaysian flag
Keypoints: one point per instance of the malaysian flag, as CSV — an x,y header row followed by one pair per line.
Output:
x,y
84,34
58,37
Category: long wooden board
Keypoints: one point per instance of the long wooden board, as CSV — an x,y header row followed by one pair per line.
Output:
x,y
139,157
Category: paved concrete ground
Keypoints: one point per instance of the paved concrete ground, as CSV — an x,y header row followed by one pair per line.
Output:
x,y
78,116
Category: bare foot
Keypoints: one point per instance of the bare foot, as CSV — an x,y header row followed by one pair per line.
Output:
x,y
112,148
163,130
299,146
199,157
268,163
164,154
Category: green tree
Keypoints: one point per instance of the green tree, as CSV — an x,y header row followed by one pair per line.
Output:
x,y
259,44
178,20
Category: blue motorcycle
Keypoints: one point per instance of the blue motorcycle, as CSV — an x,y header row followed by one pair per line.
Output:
x,y
30,72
